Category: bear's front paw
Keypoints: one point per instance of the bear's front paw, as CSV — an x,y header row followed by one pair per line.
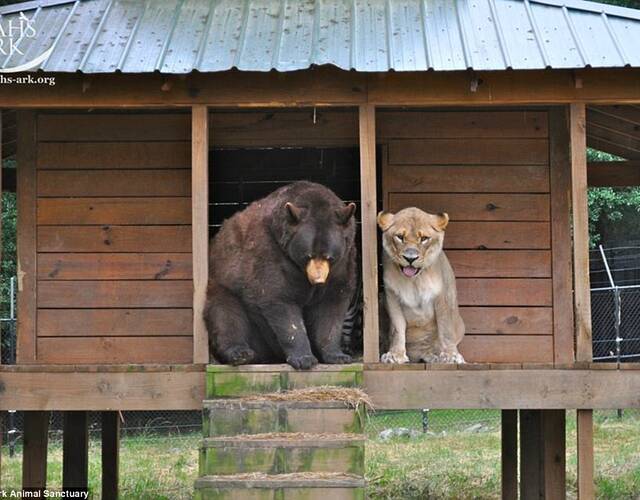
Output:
x,y
303,362
394,357
239,355
336,358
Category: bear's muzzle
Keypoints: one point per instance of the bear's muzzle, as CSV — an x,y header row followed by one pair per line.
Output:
x,y
317,271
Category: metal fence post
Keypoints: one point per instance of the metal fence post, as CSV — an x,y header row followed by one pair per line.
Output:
x,y
425,420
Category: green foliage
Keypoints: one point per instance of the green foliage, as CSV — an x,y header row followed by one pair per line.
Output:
x,y
634,4
8,264
612,205
618,206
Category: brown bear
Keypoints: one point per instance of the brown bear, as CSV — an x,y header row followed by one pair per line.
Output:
x,y
282,274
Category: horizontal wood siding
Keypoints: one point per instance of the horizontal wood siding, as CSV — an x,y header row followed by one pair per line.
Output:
x,y
114,263
489,170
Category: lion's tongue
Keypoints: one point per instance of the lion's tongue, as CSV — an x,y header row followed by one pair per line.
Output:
x,y
409,271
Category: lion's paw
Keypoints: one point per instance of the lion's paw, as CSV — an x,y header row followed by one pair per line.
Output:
x,y
430,358
397,358
451,357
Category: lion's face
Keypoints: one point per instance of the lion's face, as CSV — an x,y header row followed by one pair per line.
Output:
x,y
412,238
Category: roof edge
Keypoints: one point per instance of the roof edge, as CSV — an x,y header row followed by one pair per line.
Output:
x,y
31,5
599,8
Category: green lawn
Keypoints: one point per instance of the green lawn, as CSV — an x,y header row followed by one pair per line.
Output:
x,y
462,465
447,463
158,467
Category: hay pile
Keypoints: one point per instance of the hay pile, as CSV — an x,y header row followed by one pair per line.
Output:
x,y
353,398
293,436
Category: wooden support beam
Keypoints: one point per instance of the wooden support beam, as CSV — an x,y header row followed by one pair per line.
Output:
x,y
555,453
560,184
582,293
551,388
200,227
542,454
331,86
34,454
531,455
368,201
75,451
509,430
584,430
110,453
26,202
613,173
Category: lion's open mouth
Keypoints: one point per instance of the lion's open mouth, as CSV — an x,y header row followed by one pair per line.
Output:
x,y
410,271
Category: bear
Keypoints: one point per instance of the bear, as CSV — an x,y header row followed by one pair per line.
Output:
x,y
282,275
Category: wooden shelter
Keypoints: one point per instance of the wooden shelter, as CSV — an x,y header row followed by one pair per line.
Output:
x,y
123,171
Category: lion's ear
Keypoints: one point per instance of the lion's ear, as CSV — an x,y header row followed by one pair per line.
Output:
x,y
441,221
385,219
294,213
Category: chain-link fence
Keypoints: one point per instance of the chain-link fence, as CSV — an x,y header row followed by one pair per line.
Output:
x,y
615,303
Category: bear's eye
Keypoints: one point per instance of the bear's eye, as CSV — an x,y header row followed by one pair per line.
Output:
x,y
400,237
424,239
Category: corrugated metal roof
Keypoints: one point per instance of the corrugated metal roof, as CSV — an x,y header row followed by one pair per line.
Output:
x,y
179,36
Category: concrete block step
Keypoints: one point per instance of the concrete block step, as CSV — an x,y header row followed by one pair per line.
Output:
x,y
230,417
282,453
308,486
237,381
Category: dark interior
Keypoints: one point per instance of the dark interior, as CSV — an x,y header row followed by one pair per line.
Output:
x,y
243,175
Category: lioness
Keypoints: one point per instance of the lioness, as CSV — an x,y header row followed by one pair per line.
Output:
x,y
420,289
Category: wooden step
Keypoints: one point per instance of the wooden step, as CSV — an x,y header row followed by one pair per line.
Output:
x,y
230,417
283,453
310,486
237,381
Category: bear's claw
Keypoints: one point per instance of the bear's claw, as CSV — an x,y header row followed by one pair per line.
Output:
x,y
304,362
239,355
337,358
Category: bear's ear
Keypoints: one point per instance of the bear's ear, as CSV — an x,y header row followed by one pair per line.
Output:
x,y
385,219
345,213
440,221
294,213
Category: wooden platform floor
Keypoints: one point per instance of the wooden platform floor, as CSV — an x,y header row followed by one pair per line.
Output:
x,y
182,387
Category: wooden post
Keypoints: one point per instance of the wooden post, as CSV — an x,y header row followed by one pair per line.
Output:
x,y
531,458
26,202
34,454
200,227
584,431
368,199
509,430
542,452
582,293
560,183
110,453
75,451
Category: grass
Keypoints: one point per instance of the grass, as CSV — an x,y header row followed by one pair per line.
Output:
x,y
447,463
152,466
465,465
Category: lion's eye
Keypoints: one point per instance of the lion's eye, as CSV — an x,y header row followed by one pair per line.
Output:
x,y
424,239
400,237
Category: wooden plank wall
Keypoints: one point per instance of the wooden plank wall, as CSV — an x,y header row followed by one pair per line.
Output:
x,y
114,265
490,171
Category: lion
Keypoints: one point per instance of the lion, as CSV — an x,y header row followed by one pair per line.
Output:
x,y
420,289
